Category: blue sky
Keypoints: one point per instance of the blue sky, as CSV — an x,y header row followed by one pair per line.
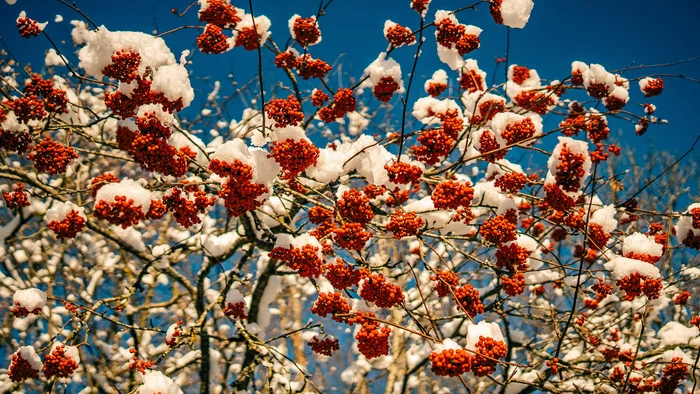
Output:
x,y
615,34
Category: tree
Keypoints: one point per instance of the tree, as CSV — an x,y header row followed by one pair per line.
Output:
x,y
291,252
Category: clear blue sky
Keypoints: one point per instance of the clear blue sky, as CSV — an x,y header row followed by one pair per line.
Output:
x,y
613,33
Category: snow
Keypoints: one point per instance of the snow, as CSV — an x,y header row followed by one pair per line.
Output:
x,y
605,217
597,74
641,244
329,166
10,2
575,147
382,67
58,19
54,59
291,28
59,211
684,227
502,120
70,351
621,267
217,245
156,382
358,122
130,236
173,81
265,169
439,77
262,26
450,56
129,188
30,299
483,329
102,44
472,101
29,354
423,106
23,14
516,13
578,67
675,333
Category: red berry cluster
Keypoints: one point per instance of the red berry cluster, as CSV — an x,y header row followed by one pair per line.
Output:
x,y
236,311
324,346
308,67
68,227
534,101
373,339
304,259
468,300
445,281
354,207
213,40
343,102
55,99
331,304
126,106
452,195
124,66
513,285
435,89
471,81
520,74
21,369
404,224
420,6
450,362
101,180
319,97
376,289
654,87
398,35
51,157
487,144
284,112
306,31
556,198
673,374
120,212
512,257
28,27
248,38
635,284
340,275
17,198
318,214
58,364
500,228
681,298
570,170
239,192
172,341
495,9
488,352
19,311
467,43
13,140
139,365
186,208
220,13
351,236
511,182
294,156
448,33
403,173
435,144
153,153
385,88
